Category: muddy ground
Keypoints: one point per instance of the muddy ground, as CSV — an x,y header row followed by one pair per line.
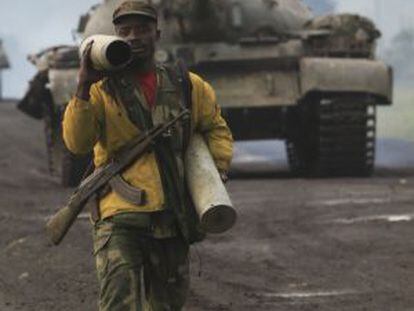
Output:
x,y
343,244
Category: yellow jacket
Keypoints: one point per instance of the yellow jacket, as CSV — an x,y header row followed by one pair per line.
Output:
x,y
103,126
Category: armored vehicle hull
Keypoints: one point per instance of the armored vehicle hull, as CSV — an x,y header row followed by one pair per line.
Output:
x,y
280,72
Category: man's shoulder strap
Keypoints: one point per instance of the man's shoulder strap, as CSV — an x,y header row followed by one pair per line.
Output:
x,y
180,76
122,89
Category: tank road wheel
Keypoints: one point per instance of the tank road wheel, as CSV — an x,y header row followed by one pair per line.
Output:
x,y
297,141
296,157
345,139
295,164
73,167
337,137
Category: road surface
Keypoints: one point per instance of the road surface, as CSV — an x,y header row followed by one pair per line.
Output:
x,y
299,244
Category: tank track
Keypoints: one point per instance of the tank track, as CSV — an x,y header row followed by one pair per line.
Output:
x,y
297,164
49,149
337,139
345,138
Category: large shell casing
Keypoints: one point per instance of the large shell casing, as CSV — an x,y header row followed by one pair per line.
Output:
x,y
210,197
108,52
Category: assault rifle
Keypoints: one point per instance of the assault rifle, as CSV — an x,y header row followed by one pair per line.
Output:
x,y
59,224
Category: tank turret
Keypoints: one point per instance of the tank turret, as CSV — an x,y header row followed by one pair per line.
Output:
x,y
210,20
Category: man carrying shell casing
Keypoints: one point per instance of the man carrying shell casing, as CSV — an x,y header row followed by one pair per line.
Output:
x,y
144,223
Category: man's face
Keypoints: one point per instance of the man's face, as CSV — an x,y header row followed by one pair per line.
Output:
x,y
141,33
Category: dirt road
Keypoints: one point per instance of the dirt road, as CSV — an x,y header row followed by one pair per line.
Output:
x,y
343,244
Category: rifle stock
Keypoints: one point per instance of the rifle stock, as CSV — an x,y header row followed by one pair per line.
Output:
x,y
59,224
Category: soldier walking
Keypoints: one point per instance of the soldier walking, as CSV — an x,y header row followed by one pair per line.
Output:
x,y
143,220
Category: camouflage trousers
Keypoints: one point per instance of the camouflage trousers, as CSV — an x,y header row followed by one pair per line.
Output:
x,y
137,271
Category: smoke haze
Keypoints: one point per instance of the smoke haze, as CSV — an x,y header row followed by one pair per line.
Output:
x,y
391,16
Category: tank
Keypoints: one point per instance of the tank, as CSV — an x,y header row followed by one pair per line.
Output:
x,y
4,61
279,73
46,98
4,64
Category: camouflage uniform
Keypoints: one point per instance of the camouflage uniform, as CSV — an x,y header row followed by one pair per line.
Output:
x,y
136,269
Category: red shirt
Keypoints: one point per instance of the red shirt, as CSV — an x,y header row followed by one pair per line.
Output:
x,y
148,84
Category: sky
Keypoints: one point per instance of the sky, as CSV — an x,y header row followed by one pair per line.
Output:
x,y
27,26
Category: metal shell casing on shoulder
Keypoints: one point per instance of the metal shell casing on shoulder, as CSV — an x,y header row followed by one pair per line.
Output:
x,y
210,197
108,52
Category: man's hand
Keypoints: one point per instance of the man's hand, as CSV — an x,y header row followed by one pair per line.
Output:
x,y
87,74
223,176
